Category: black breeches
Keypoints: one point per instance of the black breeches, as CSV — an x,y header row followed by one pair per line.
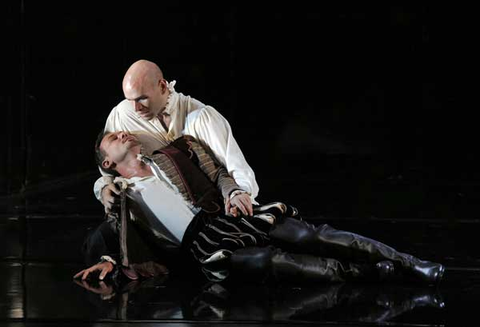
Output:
x,y
104,240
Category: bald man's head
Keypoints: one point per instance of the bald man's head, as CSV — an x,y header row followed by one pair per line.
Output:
x,y
143,84
141,71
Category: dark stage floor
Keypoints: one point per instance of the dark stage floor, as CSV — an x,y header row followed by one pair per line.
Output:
x,y
42,230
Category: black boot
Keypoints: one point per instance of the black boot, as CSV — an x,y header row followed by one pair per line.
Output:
x,y
259,263
330,242
304,267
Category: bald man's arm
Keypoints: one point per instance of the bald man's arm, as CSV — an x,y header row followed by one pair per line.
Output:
x,y
213,131
104,188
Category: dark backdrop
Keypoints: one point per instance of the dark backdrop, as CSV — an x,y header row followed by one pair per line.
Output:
x,y
342,104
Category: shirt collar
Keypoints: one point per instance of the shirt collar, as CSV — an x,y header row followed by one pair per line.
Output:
x,y
172,98
125,182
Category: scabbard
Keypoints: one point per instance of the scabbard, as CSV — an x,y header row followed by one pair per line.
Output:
x,y
124,213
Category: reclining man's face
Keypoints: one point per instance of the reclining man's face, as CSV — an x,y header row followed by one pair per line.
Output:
x,y
117,146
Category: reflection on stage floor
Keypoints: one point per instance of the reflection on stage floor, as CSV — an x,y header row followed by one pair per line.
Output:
x,y
40,253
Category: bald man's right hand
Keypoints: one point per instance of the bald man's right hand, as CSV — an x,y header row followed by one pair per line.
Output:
x,y
111,197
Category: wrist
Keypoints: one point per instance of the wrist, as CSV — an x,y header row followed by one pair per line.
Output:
x,y
106,258
237,192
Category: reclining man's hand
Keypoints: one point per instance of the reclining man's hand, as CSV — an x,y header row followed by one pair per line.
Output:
x,y
105,291
111,197
103,267
240,201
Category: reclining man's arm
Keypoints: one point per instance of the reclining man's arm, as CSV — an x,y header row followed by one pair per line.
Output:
x,y
230,190
213,132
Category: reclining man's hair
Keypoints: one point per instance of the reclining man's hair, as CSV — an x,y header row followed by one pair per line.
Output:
x,y
100,155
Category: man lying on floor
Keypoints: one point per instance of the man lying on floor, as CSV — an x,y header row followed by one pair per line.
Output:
x,y
175,200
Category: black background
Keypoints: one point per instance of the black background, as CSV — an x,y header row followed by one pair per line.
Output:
x,y
334,100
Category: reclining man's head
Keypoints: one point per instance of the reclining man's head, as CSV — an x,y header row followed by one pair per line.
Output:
x,y
116,153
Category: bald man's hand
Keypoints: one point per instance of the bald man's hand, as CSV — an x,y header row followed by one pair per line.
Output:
x,y
111,197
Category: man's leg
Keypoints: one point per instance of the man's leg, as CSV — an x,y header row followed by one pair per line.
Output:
x,y
103,240
142,253
223,237
327,241
260,263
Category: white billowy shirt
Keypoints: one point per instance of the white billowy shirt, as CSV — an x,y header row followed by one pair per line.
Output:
x,y
188,117
159,204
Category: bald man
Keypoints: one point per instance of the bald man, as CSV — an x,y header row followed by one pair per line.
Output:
x,y
157,115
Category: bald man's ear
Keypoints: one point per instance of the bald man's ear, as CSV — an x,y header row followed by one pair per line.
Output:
x,y
163,85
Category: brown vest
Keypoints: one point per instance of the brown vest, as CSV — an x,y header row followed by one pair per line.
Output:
x,y
201,190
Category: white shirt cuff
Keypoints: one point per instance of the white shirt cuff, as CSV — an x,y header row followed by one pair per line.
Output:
x,y
108,258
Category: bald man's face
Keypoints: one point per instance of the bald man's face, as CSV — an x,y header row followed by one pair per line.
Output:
x,y
148,97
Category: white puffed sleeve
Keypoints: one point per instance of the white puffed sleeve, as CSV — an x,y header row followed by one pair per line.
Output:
x,y
213,131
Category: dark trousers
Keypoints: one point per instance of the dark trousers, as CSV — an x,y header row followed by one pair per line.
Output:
x,y
102,240
290,248
142,245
